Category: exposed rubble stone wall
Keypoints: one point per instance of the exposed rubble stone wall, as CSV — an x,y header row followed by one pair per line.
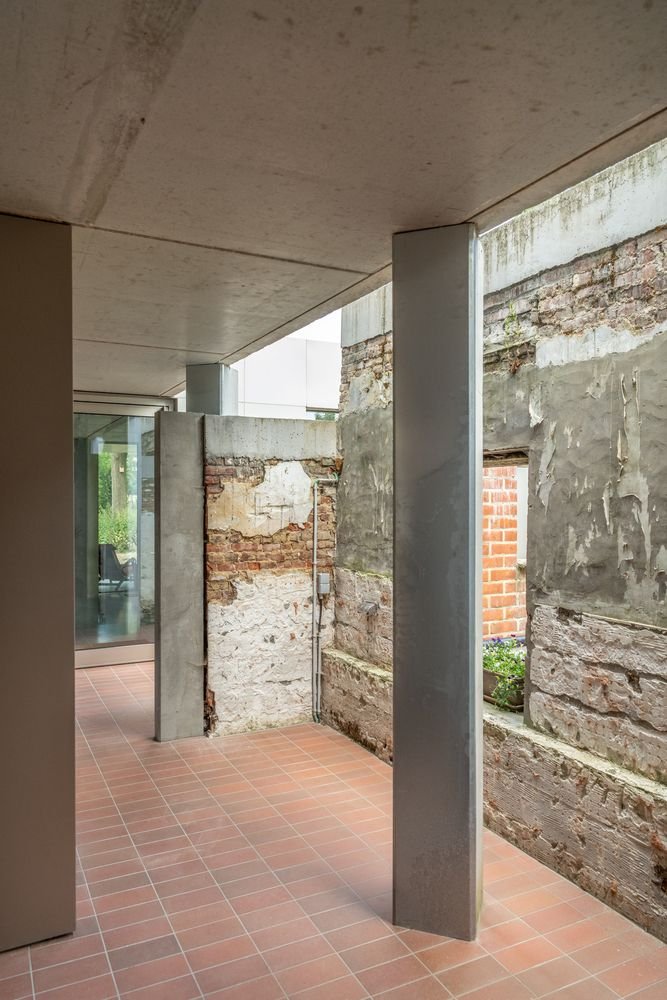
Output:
x,y
259,536
601,826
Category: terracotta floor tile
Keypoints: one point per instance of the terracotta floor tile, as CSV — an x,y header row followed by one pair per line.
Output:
x,y
637,973
119,937
422,989
450,953
578,935
309,974
284,933
595,958
552,975
553,917
297,952
144,951
14,963
472,975
66,950
346,988
219,930
67,973
505,934
16,987
588,989
271,853
524,956
232,973
220,952
264,988
398,972
384,949
99,988
150,973
359,933
504,989
183,988
199,916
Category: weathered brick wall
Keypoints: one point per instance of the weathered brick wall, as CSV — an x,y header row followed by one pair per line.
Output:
x,y
367,370
503,579
258,549
621,288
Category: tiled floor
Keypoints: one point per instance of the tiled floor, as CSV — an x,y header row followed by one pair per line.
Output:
x,y
258,867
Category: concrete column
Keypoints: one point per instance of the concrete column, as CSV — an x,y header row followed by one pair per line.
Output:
x,y
179,575
37,875
212,389
437,581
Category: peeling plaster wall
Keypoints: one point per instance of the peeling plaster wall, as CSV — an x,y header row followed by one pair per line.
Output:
x,y
259,528
588,399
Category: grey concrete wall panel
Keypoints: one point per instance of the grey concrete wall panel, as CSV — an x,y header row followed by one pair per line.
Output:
x,y
212,389
37,875
437,532
179,574
368,317
365,494
287,440
597,503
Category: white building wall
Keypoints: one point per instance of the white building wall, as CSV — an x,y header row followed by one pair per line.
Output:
x,y
294,376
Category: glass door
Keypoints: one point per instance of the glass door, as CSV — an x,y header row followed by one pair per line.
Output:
x,y
114,512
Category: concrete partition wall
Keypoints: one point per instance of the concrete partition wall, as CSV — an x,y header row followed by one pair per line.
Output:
x,y
37,878
437,574
179,575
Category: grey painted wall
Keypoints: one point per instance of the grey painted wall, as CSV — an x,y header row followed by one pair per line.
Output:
x,y
37,879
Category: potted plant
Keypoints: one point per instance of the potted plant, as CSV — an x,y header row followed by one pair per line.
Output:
x,y
504,662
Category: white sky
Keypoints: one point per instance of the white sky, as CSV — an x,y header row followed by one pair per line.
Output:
x,y
327,329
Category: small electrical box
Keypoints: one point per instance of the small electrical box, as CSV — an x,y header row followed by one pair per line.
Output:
x,y
323,584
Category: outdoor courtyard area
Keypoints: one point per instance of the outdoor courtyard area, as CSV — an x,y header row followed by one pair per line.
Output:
x,y
259,867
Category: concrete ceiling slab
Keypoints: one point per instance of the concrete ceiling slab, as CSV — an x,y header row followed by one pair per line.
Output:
x,y
302,132
153,293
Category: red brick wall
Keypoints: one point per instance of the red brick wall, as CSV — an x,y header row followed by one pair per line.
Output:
x,y
503,583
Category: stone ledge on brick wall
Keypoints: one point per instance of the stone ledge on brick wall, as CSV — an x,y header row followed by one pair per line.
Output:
x,y
601,826
356,700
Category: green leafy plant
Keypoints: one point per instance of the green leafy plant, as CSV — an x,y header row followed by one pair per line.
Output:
x,y
118,528
507,659
512,326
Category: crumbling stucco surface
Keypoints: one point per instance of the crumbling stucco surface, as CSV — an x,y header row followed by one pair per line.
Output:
x,y
600,826
259,652
283,497
259,545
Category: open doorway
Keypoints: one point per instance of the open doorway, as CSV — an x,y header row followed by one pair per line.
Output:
x,y
504,543
114,503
